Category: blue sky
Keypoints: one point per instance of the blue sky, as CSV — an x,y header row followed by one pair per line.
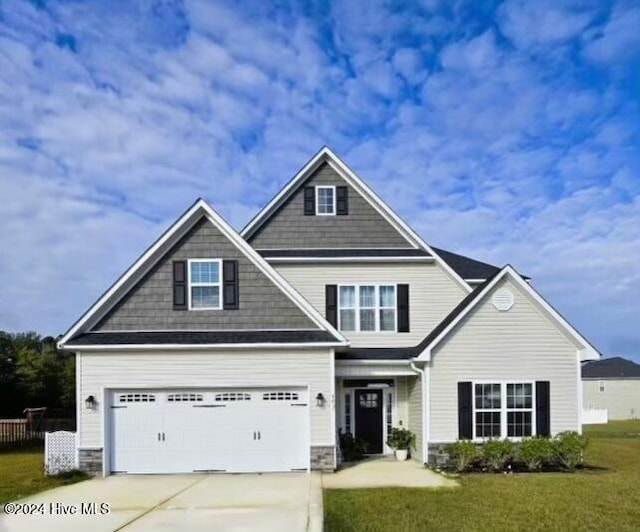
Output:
x,y
509,131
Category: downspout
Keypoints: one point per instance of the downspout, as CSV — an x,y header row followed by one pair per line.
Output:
x,y
423,410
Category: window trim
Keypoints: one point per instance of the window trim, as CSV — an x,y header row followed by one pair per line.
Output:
x,y
504,427
218,284
334,202
602,387
377,308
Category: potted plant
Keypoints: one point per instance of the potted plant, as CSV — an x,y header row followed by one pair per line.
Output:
x,y
401,440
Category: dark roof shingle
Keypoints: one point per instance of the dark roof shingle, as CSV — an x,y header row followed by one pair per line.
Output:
x,y
199,337
612,368
466,267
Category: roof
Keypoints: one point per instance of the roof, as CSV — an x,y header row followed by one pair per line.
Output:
x,y
157,250
120,338
466,267
400,353
377,353
331,253
611,368
325,155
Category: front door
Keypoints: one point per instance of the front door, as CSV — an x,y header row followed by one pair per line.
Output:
x,y
369,419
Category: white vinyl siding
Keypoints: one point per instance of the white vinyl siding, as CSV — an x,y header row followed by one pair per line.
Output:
x,y
432,294
521,345
621,397
227,369
415,406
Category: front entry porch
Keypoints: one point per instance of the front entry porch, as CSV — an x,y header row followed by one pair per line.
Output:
x,y
371,399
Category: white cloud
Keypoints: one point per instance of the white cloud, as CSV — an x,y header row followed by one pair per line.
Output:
x,y
487,149
542,23
618,40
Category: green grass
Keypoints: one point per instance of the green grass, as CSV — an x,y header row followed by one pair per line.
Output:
x,y
21,474
606,497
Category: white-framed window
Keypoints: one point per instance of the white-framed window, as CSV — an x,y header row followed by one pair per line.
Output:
x,y
601,386
370,308
205,291
503,410
326,201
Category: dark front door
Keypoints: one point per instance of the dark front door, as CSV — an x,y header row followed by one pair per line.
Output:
x,y
369,419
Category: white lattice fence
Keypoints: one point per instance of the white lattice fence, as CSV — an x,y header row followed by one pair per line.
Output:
x,y
60,452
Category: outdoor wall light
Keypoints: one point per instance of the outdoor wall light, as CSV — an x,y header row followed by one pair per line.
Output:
x,y
90,402
320,399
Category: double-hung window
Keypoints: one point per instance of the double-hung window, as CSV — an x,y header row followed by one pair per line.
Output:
x,y
325,201
368,308
503,410
204,284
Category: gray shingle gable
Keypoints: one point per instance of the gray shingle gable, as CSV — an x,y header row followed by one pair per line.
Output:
x,y
363,227
148,306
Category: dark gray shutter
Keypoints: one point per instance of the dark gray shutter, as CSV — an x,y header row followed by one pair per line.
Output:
x,y
543,408
309,201
465,411
342,200
331,304
230,288
403,307
179,285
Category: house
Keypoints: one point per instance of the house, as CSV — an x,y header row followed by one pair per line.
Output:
x,y
219,351
612,384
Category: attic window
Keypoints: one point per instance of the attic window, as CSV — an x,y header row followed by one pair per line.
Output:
x,y
204,284
325,201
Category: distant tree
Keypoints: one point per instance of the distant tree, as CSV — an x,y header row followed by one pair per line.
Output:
x,y
34,373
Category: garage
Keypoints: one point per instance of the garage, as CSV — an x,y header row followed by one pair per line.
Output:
x,y
239,430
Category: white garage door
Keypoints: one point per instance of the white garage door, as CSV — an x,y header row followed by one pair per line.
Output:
x,y
234,430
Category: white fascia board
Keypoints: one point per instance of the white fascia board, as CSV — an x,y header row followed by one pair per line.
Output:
x,y
202,207
139,264
372,362
326,155
348,259
304,172
387,213
272,274
198,347
587,351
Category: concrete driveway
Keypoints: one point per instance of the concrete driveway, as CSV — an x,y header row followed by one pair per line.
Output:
x,y
184,503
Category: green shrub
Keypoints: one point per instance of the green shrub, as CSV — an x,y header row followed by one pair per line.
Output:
x,y
496,453
463,453
352,449
401,439
535,451
568,449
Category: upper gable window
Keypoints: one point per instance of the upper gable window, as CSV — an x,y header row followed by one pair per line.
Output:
x,y
204,284
325,201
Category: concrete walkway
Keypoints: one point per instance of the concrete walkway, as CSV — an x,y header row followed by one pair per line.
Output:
x,y
384,473
184,503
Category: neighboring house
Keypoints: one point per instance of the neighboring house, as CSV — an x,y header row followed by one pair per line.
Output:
x,y
612,384
219,351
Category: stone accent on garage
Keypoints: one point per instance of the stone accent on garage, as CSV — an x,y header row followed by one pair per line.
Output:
x,y
323,458
90,461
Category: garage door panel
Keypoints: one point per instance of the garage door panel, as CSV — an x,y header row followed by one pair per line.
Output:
x,y
235,430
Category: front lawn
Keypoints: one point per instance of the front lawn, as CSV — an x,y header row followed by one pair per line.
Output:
x,y
605,497
21,474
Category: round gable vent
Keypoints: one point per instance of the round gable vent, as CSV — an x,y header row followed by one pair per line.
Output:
x,y
503,299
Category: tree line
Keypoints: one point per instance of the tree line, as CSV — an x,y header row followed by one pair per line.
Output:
x,y
34,373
